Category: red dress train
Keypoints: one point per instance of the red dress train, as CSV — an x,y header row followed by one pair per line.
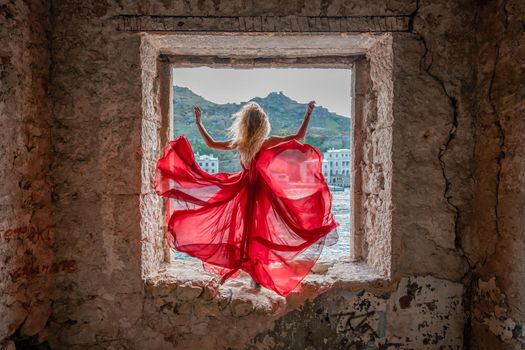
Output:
x,y
271,220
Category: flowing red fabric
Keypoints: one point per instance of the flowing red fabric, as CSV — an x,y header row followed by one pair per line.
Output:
x,y
270,220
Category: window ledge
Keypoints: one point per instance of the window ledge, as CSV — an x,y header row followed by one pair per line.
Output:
x,y
187,281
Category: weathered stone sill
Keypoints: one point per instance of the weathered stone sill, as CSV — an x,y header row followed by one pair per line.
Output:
x,y
187,280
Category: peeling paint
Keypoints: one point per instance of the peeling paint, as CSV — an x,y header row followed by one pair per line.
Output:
x,y
491,309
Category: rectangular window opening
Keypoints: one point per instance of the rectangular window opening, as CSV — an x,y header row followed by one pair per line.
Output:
x,y
283,92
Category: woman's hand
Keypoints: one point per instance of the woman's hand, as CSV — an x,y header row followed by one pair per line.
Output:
x,y
310,107
197,111
210,142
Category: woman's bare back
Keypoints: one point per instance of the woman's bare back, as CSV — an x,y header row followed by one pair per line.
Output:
x,y
271,141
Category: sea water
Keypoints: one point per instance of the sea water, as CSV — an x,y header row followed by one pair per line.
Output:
x,y
341,211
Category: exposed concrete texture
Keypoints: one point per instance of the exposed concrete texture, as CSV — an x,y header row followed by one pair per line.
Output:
x,y
26,227
496,241
432,139
239,8
363,312
442,178
408,318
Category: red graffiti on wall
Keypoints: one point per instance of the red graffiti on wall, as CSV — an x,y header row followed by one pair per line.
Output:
x,y
66,266
33,233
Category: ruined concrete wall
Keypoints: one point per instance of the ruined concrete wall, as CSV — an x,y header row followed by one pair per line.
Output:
x,y
433,139
417,313
26,264
104,138
496,242
456,189
407,318
96,91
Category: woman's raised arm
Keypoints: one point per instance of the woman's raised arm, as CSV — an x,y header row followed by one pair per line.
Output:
x,y
274,140
210,142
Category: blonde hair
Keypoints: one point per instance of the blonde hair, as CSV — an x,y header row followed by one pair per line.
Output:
x,y
249,130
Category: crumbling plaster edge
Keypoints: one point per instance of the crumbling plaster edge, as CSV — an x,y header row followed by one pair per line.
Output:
x,y
154,46
189,279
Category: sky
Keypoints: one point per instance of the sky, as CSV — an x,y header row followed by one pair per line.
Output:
x,y
329,88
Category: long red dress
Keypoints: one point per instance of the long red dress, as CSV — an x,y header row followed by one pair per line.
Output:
x,y
271,220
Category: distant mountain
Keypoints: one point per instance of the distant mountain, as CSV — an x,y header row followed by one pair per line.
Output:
x,y
326,129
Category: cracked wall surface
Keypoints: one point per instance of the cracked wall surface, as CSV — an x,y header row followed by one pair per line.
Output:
x,y
435,163
496,243
75,250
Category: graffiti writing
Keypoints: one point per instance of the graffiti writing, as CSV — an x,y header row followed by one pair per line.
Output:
x,y
358,325
66,266
32,233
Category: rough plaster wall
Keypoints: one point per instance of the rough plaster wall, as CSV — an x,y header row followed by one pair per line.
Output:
x,y
96,88
496,244
101,144
416,313
407,318
26,226
267,8
433,138
150,203
376,163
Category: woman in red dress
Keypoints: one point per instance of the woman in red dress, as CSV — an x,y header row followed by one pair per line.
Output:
x,y
271,219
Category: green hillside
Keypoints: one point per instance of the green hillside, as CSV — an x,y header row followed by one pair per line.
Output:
x,y
326,129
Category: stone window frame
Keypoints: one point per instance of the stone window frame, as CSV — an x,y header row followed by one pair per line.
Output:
x,y
370,58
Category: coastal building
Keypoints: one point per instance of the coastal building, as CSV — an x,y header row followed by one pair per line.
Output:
x,y
207,162
336,164
326,170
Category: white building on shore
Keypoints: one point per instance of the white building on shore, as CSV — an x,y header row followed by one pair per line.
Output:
x,y
326,170
336,166
207,162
